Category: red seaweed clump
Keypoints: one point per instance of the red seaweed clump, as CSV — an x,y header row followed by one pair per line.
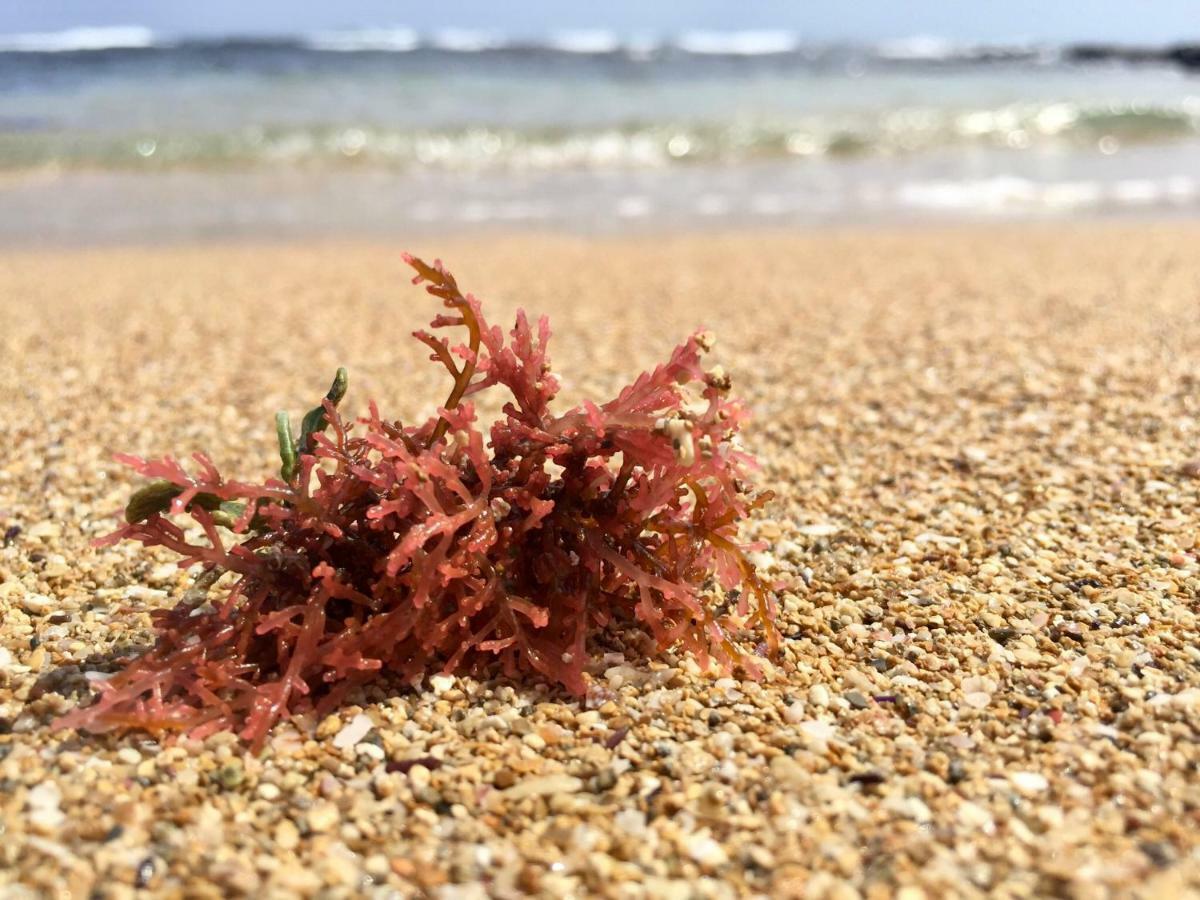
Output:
x,y
411,550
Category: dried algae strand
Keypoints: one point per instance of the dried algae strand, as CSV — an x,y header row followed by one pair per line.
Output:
x,y
413,550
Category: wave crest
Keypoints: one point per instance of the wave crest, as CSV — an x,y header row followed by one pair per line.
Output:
x,y
74,40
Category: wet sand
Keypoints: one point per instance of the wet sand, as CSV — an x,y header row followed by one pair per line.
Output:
x,y
984,448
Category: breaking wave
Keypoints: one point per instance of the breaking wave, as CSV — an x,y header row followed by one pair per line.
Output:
x,y
75,40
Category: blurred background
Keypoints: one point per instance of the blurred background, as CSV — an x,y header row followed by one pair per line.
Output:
x,y
147,120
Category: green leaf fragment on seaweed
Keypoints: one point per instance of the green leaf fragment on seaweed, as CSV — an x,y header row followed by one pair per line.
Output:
x,y
287,445
153,499
156,498
314,421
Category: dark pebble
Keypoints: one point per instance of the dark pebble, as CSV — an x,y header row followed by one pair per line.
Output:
x,y
956,771
857,700
229,776
619,735
145,871
868,778
1157,852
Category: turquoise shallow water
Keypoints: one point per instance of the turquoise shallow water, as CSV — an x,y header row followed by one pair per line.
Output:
x,y
385,98
692,127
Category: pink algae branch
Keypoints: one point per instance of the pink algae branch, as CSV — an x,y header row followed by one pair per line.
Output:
x,y
384,547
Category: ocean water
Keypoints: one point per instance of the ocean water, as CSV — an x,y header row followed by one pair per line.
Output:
x,y
389,128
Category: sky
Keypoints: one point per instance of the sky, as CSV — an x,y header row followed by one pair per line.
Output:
x,y
1126,21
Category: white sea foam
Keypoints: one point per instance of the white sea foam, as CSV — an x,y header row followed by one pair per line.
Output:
x,y
738,43
589,41
919,47
999,194
1008,194
393,40
713,205
768,205
634,206
1138,191
464,40
73,40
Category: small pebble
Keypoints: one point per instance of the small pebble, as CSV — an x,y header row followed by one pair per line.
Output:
x,y
322,817
353,732
972,815
37,604
45,814
820,529
45,530
543,786
372,751
706,851
818,732
1029,783
287,835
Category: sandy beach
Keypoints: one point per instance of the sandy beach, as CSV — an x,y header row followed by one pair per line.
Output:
x,y
984,447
